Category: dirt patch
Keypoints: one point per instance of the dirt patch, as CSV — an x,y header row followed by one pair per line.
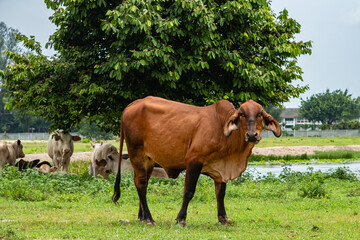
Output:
x,y
78,156
299,150
277,151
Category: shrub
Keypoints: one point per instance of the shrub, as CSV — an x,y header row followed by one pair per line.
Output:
x,y
342,173
31,185
313,189
85,140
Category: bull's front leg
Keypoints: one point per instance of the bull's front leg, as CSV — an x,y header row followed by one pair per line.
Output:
x,y
56,160
65,165
220,189
193,171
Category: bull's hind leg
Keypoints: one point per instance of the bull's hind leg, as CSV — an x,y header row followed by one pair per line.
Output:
x,y
143,172
193,171
220,189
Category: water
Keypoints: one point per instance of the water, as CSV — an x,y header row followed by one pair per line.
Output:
x,y
277,169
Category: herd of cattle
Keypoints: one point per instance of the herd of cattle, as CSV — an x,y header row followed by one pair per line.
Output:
x,y
60,147
215,140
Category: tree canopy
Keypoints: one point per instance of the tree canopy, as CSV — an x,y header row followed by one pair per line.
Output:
x,y
113,52
330,107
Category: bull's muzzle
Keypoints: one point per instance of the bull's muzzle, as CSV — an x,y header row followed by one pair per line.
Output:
x,y
65,152
252,137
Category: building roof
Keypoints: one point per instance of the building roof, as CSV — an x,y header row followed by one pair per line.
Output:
x,y
290,113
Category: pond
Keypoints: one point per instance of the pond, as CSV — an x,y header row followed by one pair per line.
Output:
x,y
262,170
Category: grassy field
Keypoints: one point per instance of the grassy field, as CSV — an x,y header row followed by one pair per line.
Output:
x,y
312,205
308,205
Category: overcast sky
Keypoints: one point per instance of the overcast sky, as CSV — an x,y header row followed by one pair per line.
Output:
x,y
332,25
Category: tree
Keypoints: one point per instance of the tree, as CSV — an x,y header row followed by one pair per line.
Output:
x,y
92,131
111,53
274,111
7,41
330,107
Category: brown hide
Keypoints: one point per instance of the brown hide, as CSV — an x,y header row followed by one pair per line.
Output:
x,y
172,134
215,140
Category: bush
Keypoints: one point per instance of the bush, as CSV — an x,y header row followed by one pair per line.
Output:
x,y
31,185
85,140
313,189
342,173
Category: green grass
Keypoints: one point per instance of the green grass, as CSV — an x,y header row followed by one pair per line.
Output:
x,y
310,205
31,147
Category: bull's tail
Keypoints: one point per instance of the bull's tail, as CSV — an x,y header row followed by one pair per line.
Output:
x,y
117,191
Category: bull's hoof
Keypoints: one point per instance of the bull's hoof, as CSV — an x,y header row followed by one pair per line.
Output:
x,y
150,223
182,222
225,221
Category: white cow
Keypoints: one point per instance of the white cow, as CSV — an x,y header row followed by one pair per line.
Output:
x,y
105,161
10,152
60,148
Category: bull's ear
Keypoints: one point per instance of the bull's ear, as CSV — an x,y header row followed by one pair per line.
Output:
x,y
269,123
75,138
18,142
233,123
92,144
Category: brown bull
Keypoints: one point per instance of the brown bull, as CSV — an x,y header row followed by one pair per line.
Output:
x,y
216,140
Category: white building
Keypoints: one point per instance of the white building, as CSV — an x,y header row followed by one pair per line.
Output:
x,y
291,118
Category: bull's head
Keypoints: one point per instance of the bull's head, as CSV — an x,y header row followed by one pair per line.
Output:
x,y
66,141
18,147
101,168
251,118
112,159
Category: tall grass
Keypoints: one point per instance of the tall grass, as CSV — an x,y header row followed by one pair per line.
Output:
x,y
32,185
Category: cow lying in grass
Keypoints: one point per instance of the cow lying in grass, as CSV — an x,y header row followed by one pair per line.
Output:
x,y
10,152
44,166
105,160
